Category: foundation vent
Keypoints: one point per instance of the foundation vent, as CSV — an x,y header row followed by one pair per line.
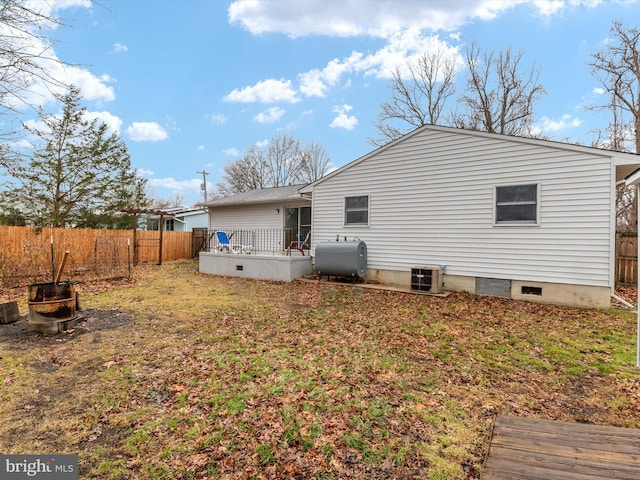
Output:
x,y
426,279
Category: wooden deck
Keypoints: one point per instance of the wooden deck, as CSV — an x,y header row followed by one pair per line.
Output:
x,y
529,449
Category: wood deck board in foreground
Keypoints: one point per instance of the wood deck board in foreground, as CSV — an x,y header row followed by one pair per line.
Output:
x,y
530,449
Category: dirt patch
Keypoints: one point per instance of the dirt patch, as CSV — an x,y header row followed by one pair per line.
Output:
x,y
63,386
15,335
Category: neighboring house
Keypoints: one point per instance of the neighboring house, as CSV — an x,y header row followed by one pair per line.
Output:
x,y
185,219
524,218
271,217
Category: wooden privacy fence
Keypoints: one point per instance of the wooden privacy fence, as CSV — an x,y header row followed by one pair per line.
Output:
x,y
627,258
32,255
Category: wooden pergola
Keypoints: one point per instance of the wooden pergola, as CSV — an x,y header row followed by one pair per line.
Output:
x,y
147,211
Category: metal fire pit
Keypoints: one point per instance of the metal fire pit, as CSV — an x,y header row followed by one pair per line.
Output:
x,y
52,307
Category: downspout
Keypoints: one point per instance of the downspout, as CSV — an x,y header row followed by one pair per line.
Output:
x,y
638,286
634,179
630,306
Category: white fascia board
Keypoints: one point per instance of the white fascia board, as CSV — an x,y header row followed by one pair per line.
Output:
x,y
633,178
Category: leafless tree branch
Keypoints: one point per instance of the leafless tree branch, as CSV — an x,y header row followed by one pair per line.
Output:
x,y
418,99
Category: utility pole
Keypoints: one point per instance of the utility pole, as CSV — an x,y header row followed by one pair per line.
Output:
x,y
203,187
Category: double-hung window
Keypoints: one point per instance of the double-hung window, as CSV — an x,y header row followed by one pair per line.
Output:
x,y
356,210
516,204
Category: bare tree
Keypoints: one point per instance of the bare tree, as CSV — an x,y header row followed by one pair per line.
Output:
x,y
617,137
160,203
282,162
617,67
418,96
499,96
243,174
25,59
314,163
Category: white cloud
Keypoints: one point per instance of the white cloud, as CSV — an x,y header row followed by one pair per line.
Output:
x,y
36,125
271,115
549,7
343,120
146,132
232,152
599,91
408,40
182,186
314,83
265,91
216,118
356,18
566,121
48,8
22,145
145,172
39,92
376,18
552,7
91,87
401,49
200,148
119,48
113,122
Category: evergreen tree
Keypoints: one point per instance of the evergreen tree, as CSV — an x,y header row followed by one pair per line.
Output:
x,y
79,174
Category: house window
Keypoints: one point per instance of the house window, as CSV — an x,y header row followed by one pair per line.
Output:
x,y
297,223
517,204
356,210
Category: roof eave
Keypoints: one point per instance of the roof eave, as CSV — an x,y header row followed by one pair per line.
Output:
x,y
633,178
256,202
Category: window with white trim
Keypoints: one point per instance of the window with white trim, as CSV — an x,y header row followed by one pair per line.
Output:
x,y
356,210
517,204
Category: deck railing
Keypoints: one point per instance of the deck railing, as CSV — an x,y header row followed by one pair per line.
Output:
x,y
263,242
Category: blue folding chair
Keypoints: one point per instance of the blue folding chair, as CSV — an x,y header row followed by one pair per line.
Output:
x,y
224,244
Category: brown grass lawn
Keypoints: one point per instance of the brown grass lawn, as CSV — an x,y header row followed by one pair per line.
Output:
x,y
182,375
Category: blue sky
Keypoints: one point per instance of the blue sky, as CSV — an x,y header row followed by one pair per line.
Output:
x,y
192,84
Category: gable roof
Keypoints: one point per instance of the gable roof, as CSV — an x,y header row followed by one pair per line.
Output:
x,y
626,162
260,195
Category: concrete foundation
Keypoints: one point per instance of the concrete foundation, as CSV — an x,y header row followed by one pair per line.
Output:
x,y
542,292
562,294
281,268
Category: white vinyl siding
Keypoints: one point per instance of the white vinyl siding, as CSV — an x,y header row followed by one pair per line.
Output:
x,y
255,219
250,217
431,201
